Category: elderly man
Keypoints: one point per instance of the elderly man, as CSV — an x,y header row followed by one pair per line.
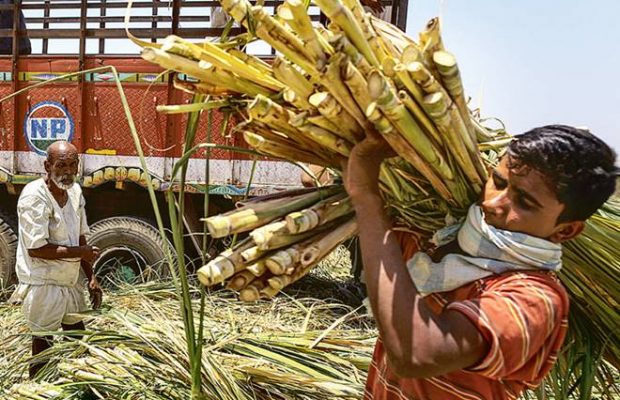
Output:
x,y
483,316
51,250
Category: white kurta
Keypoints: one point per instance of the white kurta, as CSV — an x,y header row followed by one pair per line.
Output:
x,y
49,289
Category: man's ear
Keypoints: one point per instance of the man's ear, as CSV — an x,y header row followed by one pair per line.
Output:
x,y
566,231
46,165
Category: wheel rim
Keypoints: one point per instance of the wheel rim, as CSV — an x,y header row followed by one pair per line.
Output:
x,y
119,265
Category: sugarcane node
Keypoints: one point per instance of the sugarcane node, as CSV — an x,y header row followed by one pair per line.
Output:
x,y
382,124
436,104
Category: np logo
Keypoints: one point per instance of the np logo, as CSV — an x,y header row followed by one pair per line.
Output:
x,y
46,123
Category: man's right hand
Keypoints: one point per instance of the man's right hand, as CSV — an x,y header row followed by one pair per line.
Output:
x,y
361,170
89,253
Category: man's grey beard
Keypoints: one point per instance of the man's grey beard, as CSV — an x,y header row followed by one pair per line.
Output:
x,y
69,180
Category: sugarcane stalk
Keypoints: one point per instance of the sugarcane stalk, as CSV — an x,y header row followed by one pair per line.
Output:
x,y
331,78
279,282
240,280
252,291
410,54
255,215
272,114
437,107
282,150
202,71
406,125
333,111
283,239
252,254
430,42
293,99
270,30
357,85
201,87
320,213
258,268
274,33
344,18
294,79
269,134
295,14
264,233
363,20
343,45
322,136
323,122
420,115
214,55
458,130
268,292
253,61
319,249
451,79
325,37
224,265
283,260
407,152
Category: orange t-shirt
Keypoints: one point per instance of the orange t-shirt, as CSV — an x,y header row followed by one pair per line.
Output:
x,y
522,315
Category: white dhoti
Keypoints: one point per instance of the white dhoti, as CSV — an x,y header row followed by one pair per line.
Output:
x,y
46,307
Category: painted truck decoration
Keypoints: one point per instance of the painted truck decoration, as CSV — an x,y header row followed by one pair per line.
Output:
x,y
46,123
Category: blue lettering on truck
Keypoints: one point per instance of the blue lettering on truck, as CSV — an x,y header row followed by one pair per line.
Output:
x,y
45,123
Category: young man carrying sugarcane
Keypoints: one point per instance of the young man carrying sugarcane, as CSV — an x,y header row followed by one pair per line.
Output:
x,y
52,249
483,316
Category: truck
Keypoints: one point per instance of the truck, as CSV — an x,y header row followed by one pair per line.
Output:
x,y
41,40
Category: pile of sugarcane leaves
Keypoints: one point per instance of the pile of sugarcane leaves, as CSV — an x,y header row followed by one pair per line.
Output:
x,y
312,342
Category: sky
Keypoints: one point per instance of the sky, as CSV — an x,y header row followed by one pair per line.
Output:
x,y
528,62
535,62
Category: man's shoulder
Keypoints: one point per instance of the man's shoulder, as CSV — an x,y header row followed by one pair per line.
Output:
x,y
535,281
35,188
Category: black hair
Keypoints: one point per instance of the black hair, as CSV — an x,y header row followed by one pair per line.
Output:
x,y
579,167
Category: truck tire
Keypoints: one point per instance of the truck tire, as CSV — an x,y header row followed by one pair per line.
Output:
x,y
8,246
131,250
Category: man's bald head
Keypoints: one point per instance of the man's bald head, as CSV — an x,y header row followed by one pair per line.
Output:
x,y
62,164
61,149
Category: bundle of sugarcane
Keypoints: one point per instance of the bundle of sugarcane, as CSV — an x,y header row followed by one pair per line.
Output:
x,y
331,85
288,236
